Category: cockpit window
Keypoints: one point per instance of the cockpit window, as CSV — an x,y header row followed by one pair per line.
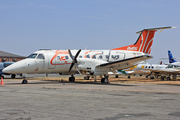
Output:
x,y
40,56
32,56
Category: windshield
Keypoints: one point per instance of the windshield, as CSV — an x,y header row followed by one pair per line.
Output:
x,y
32,55
40,56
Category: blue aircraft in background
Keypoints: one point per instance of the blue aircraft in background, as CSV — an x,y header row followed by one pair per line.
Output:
x,y
2,66
171,59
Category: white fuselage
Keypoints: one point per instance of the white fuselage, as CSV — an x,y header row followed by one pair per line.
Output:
x,y
59,61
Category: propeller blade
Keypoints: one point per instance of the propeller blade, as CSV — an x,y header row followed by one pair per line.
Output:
x,y
77,53
74,62
71,67
70,54
77,68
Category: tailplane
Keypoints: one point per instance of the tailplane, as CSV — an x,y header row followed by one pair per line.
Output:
x,y
144,41
171,59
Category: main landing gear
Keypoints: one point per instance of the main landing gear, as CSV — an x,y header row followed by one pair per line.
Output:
x,y
72,78
24,81
105,79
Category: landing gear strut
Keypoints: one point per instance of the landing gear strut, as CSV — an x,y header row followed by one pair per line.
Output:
x,y
72,78
105,79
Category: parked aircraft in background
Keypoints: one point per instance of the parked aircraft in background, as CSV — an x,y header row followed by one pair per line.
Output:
x,y
87,62
142,69
2,66
172,60
172,69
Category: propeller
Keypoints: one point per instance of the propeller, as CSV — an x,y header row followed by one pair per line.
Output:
x,y
74,62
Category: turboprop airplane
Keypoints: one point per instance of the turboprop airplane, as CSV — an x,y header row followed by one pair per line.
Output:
x,y
87,62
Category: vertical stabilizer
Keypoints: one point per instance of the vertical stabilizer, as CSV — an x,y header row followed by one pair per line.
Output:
x,y
144,41
171,59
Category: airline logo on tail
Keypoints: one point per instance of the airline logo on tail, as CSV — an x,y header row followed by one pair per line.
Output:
x,y
144,42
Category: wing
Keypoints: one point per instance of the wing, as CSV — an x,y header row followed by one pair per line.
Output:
x,y
123,64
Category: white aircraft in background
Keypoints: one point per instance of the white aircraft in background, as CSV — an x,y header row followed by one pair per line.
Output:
x,y
87,62
172,69
142,69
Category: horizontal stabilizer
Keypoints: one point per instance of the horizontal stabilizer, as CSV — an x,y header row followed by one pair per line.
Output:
x,y
160,28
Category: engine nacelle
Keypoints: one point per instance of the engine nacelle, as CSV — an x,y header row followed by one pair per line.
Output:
x,y
88,66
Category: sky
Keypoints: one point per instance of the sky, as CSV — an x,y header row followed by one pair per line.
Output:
x,y
29,25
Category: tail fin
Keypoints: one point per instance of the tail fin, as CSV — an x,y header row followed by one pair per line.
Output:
x,y
171,59
144,41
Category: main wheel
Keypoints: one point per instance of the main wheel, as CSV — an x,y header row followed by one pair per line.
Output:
x,y
24,81
102,80
168,78
162,78
71,79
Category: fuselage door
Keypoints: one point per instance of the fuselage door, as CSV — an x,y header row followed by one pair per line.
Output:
x,y
51,59
40,61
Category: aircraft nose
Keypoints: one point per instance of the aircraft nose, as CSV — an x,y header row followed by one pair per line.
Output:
x,y
15,68
7,70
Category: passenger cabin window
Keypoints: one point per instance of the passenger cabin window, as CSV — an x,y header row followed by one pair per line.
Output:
x,y
66,57
58,57
87,56
80,56
107,57
94,57
40,56
115,57
170,66
100,57
32,56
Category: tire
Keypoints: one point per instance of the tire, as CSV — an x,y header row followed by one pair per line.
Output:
x,y
13,76
102,80
168,78
24,82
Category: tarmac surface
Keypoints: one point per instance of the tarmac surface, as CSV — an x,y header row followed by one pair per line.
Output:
x,y
63,100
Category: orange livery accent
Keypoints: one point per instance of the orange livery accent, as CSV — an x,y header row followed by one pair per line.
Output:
x,y
143,43
62,57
